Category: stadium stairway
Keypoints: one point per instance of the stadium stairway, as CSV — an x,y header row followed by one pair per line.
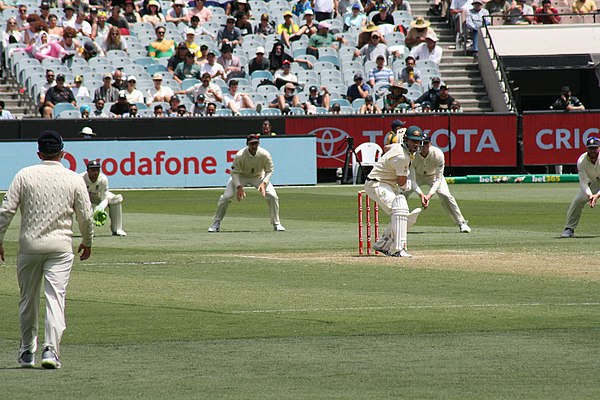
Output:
x,y
15,102
459,71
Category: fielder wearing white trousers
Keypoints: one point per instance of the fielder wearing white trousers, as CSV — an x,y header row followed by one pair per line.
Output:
x,y
230,192
589,184
101,198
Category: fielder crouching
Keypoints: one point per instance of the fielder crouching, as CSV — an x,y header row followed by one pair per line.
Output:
x,y
101,197
386,183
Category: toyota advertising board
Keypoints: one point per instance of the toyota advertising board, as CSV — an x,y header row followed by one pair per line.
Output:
x,y
467,140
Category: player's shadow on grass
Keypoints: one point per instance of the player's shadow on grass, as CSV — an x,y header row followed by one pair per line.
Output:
x,y
579,237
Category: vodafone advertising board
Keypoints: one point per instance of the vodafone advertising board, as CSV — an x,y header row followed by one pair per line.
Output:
x,y
170,163
557,137
467,140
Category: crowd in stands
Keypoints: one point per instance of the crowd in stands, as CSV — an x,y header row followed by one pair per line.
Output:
x,y
126,58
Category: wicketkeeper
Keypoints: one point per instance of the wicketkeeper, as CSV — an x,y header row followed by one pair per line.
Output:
x,y
101,198
386,184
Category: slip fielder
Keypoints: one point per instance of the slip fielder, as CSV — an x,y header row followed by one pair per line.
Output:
x,y
101,197
386,183
428,166
588,168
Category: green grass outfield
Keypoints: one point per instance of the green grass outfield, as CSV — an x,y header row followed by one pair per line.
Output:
x,y
509,311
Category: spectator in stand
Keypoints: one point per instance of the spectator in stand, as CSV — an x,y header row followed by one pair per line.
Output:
x,y
44,11
567,102
158,111
118,81
235,100
432,92
400,5
358,90
54,29
211,108
345,6
178,13
116,19
210,91
241,6
265,27
11,34
497,9
323,38
242,23
204,14
133,112
380,73
90,50
212,67
44,48
22,16
396,101
34,26
374,49
230,34
285,75
50,82
546,14
335,108
114,41
190,43
5,114
130,13
101,28
419,29
287,28
520,13
475,21
583,7
133,95
266,129
159,92
458,12
277,56
410,74
78,89
260,62
161,47
68,20
99,111
369,106
288,99
82,27
173,105
121,106
324,9
315,99
154,14
224,4
182,111
85,110
80,6
383,16
177,58
355,18
443,100
429,51
199,30
231,63
301,7
199,105
187,69
57,94
455,107
202,56
71,45
309,27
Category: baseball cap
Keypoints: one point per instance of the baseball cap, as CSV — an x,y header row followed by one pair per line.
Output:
x,y
190,31
50,142
260,50
479,1
181,46
122,94
396,123
414,133
78,78
211,52
174,98
107,75
60,77
226,48
230,18
309,12
69,7
443,87
592,142
356,6
380,57
93,163
313,89
131,78
436,79
200,97
290,85
252,139
89,47
358,76
286,62
323,25
157,76
287,13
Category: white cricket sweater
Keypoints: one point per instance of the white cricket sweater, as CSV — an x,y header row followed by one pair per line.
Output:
x,y
247,165
47,195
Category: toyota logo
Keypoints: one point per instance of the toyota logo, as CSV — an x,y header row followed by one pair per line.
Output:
x,y
329,142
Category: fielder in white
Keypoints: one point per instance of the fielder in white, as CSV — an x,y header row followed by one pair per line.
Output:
x,y
428,169
47,195
252,166
386,183
101,197
588,168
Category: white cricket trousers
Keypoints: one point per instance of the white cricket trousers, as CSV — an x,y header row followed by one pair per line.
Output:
x,y
230,192
577,204
448,201
54,269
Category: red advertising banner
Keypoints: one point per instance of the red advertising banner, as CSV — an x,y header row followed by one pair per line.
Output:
x,y
557,137
475,140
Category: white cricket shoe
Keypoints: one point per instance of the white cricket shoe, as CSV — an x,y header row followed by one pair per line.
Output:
x,y
464,228
216,227
120,232
27,359
50,359
278,228
567,233
412,217
401,253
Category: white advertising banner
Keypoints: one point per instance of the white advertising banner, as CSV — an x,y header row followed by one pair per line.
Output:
x,y
140,164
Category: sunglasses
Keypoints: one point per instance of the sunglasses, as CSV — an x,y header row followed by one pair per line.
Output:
x,y
160,32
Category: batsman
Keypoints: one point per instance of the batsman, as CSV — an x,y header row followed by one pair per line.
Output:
x,y
386,184
101,197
